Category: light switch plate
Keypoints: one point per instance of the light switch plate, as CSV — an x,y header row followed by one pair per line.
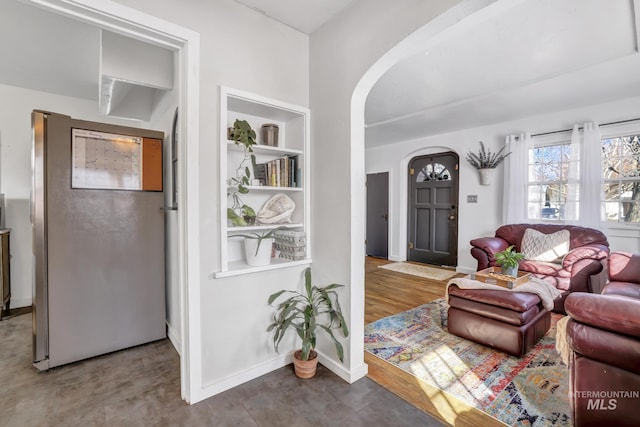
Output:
x,y
472,198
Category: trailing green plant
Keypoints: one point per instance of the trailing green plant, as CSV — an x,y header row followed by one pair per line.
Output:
x,y
509,258
242,135
240,220
485,159
301,312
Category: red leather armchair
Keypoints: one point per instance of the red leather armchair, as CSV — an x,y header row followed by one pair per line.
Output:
x,y
624,275
604,337
579,271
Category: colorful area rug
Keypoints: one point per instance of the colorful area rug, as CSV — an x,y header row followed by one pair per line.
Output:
x,y
420,270
528,391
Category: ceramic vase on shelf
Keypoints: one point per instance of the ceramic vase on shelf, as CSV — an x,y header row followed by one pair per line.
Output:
x,y
486,175
258,256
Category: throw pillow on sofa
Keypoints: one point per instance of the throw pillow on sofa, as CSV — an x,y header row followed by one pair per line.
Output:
x,y
537,246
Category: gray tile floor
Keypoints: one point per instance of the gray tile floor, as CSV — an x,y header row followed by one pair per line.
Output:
x,y
141,387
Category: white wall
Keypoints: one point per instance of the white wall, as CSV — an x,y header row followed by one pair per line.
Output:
x,y
241,49
345,62
15,170
483,218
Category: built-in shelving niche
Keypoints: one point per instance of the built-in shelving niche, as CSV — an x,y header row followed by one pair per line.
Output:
x,y
293,140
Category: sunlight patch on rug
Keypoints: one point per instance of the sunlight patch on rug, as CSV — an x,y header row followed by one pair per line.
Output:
x,y
528,391
420,270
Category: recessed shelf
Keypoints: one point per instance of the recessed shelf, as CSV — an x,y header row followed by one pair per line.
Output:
x,y
264,149
291,153
271,188
238,268
262,227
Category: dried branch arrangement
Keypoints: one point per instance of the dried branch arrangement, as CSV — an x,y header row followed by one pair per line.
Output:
x,y
485,159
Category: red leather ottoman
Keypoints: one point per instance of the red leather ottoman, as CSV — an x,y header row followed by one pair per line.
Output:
x,y
512,322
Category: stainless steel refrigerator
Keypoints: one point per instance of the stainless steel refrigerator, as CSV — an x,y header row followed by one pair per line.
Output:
x,y
98,238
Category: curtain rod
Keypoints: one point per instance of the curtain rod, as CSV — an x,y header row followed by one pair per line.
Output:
x,y
580,127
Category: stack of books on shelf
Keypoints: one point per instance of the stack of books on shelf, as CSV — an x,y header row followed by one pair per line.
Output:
x,y
291,244
282,172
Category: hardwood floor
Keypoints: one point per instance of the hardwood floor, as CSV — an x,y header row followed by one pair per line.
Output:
x,y
387,293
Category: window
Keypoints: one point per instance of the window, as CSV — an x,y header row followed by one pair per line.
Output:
x,y
548,181
434,172
621,178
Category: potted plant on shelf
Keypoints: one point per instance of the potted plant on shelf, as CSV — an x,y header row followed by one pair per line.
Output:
x,y
258,246
508,260
486,161
242,135
301,311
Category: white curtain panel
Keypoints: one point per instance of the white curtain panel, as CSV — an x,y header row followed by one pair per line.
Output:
x,y
591,209
571,213
516,169
584,191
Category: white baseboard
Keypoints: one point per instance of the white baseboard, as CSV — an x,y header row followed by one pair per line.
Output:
x,y
242,377
397,258
341,371
20,302
277,363
174,337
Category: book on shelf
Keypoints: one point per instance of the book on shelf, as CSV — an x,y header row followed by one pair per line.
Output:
x,y
281,172
284,168
260,173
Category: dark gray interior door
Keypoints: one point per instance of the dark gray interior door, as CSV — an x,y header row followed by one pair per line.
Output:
x,y
433,209
378,214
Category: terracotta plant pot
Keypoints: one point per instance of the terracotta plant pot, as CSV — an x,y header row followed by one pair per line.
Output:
x,y
305,368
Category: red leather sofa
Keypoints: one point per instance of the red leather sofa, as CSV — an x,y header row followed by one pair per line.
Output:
x,y
604,336
578,271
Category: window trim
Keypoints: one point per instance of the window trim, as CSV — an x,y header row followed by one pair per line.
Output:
x,y
556,138
606,131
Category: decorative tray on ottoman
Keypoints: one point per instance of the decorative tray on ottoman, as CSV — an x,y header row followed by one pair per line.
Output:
x,y
494,276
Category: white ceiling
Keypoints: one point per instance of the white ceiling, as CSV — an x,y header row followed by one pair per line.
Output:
x,y
303,15
540,56
537,57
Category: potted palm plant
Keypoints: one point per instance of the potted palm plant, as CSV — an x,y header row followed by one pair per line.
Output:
x,y
486,161
508,260
317,307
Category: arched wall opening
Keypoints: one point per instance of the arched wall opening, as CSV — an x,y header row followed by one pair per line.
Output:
x,y
458,19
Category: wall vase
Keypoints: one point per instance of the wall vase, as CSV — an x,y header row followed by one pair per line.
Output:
x,y
485,176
